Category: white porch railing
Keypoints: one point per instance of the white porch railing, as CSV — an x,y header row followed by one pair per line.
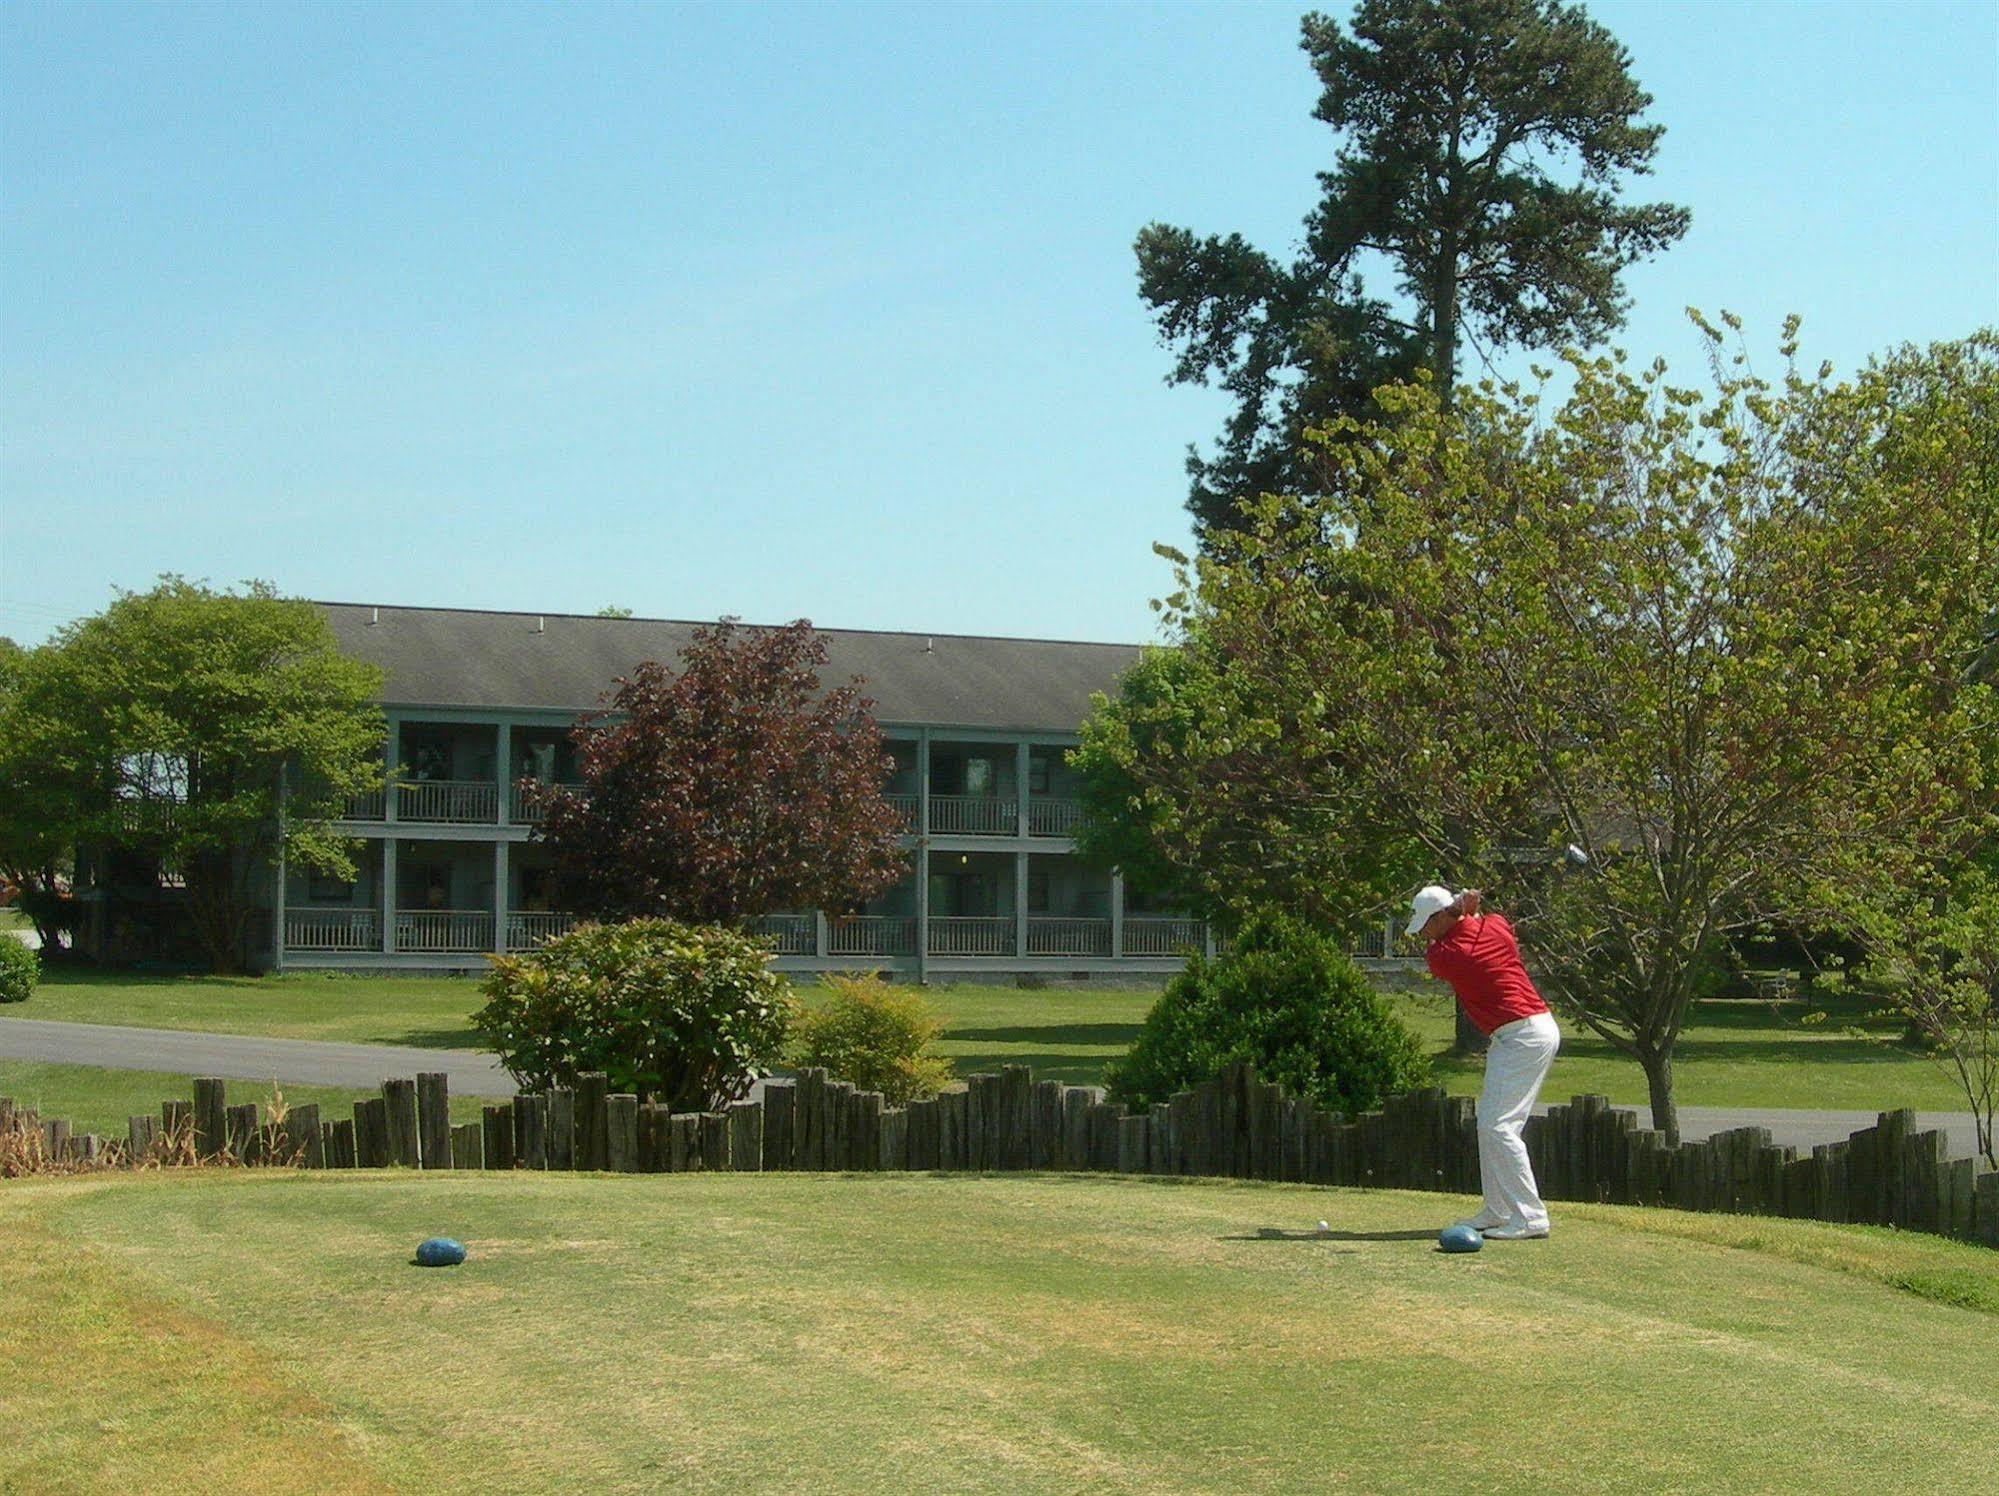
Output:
x,y
443,931
528,928
366,807
791,934
971,935
871,935
449,800
975,815
1154,935
333,930
1053,817
909,807
525,801
1057,936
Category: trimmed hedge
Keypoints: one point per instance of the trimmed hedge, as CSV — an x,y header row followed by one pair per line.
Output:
x,y
1286,1000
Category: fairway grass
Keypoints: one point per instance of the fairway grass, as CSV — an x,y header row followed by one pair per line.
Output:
x,y
734,1333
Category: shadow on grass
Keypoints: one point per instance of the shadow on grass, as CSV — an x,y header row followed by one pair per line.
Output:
x,y
1119,1035
1278,1233
458,1038
1070,1069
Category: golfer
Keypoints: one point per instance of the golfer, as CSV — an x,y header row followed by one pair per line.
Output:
x,y
1477,954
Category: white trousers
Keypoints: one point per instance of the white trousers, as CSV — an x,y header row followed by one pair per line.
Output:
x,y
1515,1066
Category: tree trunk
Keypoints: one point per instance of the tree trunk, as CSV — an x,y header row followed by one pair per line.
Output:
x,y
1444,326
1470,1038
1659,1081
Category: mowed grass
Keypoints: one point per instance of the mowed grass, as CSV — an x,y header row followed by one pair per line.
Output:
x,y
1733,1052
93,1099
1027,1334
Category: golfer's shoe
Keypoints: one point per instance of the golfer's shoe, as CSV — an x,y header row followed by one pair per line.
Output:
x,y
1514,1233
1485,1220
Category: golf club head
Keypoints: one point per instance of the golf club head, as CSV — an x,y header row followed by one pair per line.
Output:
x,y
1575,856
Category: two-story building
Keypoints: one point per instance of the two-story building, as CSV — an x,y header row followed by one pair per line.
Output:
x,y
476,702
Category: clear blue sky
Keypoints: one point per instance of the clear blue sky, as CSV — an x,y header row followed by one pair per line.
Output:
x,y
824,311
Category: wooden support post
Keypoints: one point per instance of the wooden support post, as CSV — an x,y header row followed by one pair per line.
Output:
x,y
780,1115
498,1124
405,1147
433,1109
1044,1132
808,1119
340,1148
1075,1127
715,1140
592,1088
307,1142
531,1131
468,1146
951,1113
923,1134
683,1141
243,1141
211,1123
1132,1137
746,1137
139,1135
1986,1212
561,1127
371,1133
652,1137
1959,1179
621,1133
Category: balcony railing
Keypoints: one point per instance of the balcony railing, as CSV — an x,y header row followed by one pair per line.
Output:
x,y
1062,936
457,801
909,807
1053,817
333,930
871,935
975,815
971,935
444,931
366,806
525,801
1153,935
790,934
528,928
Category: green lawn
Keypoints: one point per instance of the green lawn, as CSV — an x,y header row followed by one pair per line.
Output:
x,y
1022,1335
1736,1052
97,1100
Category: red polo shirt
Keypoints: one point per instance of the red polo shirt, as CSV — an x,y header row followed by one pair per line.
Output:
x,y
1481,960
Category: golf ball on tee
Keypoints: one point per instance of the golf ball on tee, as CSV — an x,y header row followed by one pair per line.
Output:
x,y
1325,1225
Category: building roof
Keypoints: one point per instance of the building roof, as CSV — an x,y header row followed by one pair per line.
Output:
x,y
463,657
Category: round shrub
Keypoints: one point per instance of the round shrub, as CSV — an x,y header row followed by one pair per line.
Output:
x,y
20,969
875,1034
1288,1001
686,1015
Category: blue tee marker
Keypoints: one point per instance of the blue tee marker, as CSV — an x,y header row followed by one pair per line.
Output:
x,y
1459,1238
440,1251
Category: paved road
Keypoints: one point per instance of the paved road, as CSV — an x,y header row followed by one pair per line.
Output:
x,y
364,1066
309,1062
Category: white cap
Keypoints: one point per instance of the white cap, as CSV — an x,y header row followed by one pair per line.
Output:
x,y
1428,901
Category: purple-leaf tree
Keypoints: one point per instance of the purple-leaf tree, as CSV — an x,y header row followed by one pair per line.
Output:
x,y
732,787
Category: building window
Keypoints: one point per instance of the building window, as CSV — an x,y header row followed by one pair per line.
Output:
x,y
1037,774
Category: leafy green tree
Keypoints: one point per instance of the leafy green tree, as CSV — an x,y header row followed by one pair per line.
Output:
x,y
1215,780
165,724
38,814
1483,147
1717,639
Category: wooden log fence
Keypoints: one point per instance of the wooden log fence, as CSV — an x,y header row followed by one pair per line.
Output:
x,y
1235,1126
